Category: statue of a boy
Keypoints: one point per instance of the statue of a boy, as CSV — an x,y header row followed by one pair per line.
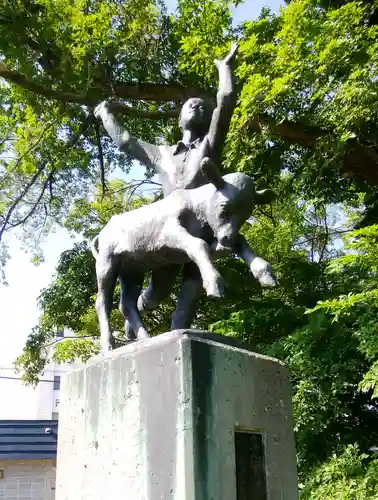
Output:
x,y
179,166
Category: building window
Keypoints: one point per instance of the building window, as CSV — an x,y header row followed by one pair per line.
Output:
x,y
56,382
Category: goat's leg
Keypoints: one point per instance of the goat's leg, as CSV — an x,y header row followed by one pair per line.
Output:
x,y
260,268
187,301
130,288
106,279
199,252
159,287
130,334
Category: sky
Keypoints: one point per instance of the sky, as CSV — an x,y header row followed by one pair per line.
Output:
x,y
19,310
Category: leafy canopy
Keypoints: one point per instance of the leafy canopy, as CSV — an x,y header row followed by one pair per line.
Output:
x,y
305,124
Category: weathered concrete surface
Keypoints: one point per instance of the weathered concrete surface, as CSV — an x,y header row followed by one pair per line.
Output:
x,y
155,420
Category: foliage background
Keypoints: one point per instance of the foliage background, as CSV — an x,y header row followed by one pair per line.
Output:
x,y
305,124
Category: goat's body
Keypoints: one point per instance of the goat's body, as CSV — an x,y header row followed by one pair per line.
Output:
x,y
142,236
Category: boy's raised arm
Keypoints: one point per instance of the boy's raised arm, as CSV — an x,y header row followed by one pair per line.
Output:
x,y
226,101
148,154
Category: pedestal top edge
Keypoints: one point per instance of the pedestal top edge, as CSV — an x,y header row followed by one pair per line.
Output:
x,y
202,336
208,337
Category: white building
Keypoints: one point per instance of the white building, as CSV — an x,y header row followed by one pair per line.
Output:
x,y
21,402
28,459
29,431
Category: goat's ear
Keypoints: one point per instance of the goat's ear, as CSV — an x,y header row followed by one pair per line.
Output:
x,y
265,197
211,172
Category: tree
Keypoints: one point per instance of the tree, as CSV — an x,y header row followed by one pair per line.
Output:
x,y
350,476
71,56
309,83
356,302
311,99
305,124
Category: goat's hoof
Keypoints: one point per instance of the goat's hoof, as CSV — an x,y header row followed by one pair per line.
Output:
x,y
107,346
266,278
142,335
263,272
215,287
105,349
130,335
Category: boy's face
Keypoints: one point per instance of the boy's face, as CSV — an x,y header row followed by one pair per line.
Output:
x,y
192,114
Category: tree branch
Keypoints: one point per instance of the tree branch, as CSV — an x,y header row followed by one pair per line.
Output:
x,y
137,91
13,206
100,157
71,143
157,92
36,88
141,113
325,235
290,132
35,204
133,183
33,146
360,160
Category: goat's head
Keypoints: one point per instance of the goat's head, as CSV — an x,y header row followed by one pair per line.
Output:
x,y
231,203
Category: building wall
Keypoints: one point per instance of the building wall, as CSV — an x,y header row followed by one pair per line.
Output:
x,y
27,480
19,401
48,394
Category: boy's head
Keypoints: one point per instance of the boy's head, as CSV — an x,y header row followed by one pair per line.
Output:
x,y
195,115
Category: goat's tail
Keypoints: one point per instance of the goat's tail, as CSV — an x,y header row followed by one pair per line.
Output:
x,y
265,197
94,247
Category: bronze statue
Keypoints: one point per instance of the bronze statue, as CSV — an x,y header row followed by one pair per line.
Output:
x,y
179,166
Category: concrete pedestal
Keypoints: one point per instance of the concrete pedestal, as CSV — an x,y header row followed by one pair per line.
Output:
x,y
186,415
